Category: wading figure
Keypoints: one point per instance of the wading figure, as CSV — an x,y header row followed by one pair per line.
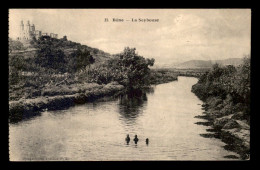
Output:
x,y
147,141
136,139
127,139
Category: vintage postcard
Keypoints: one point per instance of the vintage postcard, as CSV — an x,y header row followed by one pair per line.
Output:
x,y
129,84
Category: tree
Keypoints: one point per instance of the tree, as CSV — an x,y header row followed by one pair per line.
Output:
x,y
16,66
48,55
231,84
15,45
127,68
80,59
135,68
242,82
64,38
33,41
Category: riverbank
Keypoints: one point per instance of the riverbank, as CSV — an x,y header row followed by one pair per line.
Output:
x,y
60,97
160,76
99,129
63,95
228,124
225,91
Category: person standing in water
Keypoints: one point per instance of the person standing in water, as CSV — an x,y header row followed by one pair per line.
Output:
x,y
147,141
127,139
136,139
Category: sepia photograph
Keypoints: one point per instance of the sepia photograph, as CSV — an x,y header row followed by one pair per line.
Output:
x,y
129,84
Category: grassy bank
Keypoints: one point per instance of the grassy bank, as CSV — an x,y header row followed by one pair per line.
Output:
x,y
226,95
61,97
159,76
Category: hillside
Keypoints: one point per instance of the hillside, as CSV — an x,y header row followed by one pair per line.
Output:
x,y
28,49
194,64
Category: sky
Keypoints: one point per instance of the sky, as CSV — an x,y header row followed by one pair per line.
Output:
x,y
180,35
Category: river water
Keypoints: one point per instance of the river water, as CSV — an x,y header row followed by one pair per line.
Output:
x,y
97,130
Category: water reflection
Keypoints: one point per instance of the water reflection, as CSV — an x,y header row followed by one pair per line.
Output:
x,y
150,90
20,115
131,105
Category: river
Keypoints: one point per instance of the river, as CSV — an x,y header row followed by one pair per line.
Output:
x,y
97,130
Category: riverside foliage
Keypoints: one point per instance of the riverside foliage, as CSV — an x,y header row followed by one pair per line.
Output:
x,y
126,68
228,88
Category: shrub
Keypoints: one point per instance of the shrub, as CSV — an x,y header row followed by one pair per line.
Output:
x,y
230,84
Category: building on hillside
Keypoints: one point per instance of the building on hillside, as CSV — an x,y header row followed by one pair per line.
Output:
x,y
52,35
27,32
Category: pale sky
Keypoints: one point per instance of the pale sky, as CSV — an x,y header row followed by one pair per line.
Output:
x,y
180,35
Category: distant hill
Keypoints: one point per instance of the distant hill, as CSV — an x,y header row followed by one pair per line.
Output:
x,y
207,63
194,64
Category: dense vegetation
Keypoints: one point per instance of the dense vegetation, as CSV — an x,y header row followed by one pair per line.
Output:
x,y
126,68
227,88
57,61
159,76
15,45
48,61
